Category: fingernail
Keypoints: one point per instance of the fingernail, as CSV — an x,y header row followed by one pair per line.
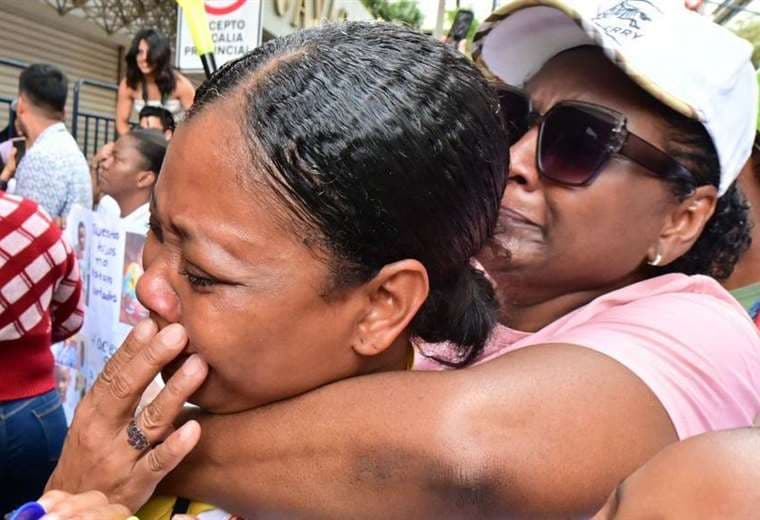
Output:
x,y
185,432
144,330
172,335
192,366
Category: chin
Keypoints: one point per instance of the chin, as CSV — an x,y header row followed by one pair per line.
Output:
x,y
211,399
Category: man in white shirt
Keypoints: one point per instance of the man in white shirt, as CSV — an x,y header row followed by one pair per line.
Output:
x,y
54,171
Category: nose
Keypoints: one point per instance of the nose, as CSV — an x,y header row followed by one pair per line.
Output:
x,y
154,289
523,168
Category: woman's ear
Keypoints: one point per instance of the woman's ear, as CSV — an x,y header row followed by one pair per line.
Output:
x,y
394,296
685,223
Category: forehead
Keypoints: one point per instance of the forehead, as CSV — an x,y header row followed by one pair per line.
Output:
x,y
150,121
207,168
585,74
210,188
124,144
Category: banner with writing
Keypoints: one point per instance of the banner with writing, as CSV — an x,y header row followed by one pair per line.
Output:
x,y
110,262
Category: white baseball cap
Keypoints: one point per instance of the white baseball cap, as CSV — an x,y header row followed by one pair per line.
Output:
x,y
690,64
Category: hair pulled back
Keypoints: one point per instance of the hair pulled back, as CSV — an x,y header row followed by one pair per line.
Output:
x,y
386,145
151,145
727,234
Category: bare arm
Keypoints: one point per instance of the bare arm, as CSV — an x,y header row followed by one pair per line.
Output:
x,y
185,91
545,429
124,103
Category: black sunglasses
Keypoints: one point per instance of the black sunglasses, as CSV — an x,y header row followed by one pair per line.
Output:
x,y
576,139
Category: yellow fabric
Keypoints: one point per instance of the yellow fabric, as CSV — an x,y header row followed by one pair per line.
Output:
x,y
160,508
197,22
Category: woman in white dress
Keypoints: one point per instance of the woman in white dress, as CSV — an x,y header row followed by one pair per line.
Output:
x,y
151,80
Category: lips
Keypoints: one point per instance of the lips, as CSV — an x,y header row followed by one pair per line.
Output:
x,y
511,216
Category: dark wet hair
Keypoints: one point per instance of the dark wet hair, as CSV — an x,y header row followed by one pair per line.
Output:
x,y
384,145
151,144
727,234
45,86
159,57
164,116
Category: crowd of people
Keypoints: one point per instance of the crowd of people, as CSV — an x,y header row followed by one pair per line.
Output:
x,y
396,282
42,291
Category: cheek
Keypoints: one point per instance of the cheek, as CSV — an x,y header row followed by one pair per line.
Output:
x,y
258,353
150,250
610,230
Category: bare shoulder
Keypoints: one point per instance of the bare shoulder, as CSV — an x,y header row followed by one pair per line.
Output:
x,y
184,84
126,90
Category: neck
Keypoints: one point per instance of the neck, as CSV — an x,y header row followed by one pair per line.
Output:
x,y
530,309
130,202
394,358
34,126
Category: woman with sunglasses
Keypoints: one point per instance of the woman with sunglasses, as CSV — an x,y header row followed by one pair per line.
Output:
x,y
613,345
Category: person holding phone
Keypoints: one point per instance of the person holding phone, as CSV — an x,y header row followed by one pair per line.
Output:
x,y
54,172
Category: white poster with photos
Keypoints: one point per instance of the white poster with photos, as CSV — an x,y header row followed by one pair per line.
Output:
x,y
110,264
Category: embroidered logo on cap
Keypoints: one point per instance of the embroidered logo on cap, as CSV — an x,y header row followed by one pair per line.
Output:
x,y
627,19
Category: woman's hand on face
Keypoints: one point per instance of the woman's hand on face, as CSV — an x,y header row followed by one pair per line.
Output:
x,y
91,505
98,453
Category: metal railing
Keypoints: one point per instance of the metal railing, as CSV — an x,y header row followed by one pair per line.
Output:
x,y
97,129
5,102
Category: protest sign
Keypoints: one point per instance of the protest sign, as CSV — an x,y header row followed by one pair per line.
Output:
x,y
110,264
235,27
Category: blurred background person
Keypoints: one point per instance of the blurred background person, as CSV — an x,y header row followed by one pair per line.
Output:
x,y
40,302
158,117
53,172
129,172
151,80
96,168
744,283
